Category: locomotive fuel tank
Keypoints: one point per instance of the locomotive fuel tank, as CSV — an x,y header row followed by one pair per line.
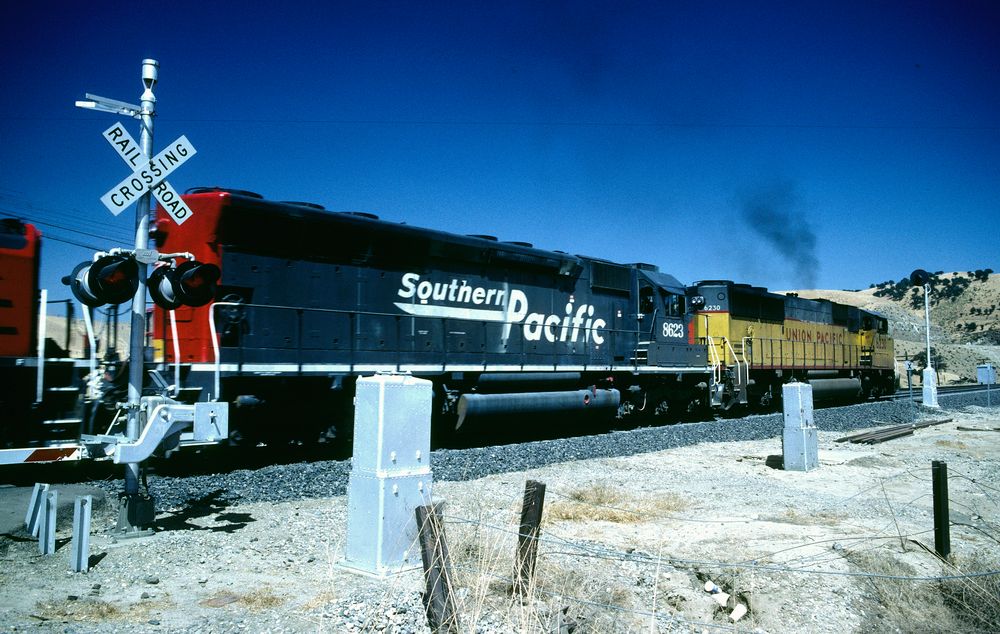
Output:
x,y
476,405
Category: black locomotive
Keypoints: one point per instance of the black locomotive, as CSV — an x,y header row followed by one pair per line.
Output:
x,y
310,299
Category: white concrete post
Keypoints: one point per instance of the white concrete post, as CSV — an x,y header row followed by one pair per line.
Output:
x,y
799,442
390,473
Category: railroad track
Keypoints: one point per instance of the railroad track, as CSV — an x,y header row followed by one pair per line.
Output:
x,y
944,390
267,474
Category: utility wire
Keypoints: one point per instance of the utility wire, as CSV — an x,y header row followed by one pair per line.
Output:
x,y
75,243
79,231
563,124
18,205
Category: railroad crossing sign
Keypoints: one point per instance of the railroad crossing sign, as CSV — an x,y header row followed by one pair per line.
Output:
x,y
147,176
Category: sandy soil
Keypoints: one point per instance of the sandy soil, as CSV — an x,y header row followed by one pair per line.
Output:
x,y
627,545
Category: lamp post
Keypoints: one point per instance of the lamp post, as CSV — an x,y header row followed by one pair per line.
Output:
x,y
922,278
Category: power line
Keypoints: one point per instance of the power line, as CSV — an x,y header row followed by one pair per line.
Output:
x,y
572,124
75,243
23,206
79,231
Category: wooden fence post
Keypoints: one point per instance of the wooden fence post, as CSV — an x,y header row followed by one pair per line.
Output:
x,y
527,539
442,615
942,520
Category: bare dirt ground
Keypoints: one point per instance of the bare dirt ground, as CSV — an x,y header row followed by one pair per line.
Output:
x,y
628,545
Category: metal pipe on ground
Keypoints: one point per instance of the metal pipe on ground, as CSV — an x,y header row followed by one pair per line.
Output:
x,y
888,433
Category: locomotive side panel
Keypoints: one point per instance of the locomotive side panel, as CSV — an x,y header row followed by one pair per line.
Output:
x,y
447,319
19,261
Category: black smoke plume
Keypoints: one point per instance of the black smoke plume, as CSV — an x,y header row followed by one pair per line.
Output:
x,y
776,213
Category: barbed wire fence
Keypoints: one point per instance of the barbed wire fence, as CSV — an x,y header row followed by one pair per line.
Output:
x,y
578,582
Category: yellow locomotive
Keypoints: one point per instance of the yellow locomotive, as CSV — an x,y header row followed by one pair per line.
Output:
x,y
758,340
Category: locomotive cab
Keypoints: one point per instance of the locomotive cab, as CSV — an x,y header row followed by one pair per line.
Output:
x,y
666,328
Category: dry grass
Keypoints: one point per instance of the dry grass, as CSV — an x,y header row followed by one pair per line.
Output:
x,y
792,516
951,444
90,610
483,563
959,605
976,601
255,600
260,599
604,502
323,598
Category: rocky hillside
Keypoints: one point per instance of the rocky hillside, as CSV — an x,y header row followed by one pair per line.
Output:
x,y
965,317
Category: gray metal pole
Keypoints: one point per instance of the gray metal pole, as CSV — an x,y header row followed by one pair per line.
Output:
x,y
137,339
930,376
927,321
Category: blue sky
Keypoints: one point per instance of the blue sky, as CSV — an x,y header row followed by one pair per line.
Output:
x,y
793,144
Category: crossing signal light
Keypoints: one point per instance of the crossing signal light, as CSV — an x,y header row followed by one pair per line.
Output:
x,y
110,279
919,277
188,284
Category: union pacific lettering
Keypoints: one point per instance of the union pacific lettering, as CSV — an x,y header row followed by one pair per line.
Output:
x,y
813,336
457,299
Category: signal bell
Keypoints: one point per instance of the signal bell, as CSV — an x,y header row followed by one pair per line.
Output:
x,y
110,279
189,284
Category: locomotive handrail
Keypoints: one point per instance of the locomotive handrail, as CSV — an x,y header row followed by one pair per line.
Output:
x,y
352,315
177,352
215,343
716,361
824,355
92,378
736,357
40,371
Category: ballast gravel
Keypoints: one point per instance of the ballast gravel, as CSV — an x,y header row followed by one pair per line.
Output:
x,y
278,483
258,550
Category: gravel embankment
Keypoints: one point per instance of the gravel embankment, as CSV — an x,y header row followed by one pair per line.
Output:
x,y
326,478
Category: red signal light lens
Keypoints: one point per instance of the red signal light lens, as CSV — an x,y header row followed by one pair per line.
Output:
x,y
189,284
111,279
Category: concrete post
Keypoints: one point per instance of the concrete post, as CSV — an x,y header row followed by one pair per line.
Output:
x,y
930,388
799,442
390,473
47,525
79,560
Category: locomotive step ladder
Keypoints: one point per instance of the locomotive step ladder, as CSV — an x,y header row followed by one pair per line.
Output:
x,y
640,356
58,411
728,384
741,369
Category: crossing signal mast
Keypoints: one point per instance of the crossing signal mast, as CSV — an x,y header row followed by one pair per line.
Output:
x,y
115,276
922,278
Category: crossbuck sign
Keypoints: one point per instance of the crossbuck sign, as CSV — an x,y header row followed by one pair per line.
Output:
x,y
148,176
